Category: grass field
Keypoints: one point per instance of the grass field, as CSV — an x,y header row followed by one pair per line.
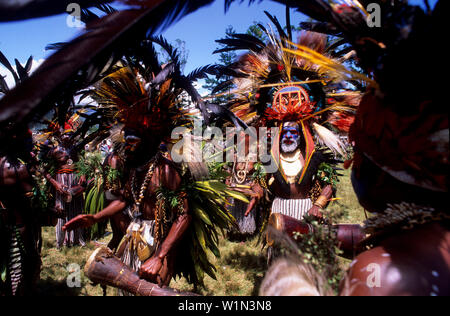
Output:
x,y
241,267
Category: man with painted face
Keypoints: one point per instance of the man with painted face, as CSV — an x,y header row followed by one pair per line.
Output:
x,y
295,187
292,197
68,197
297,161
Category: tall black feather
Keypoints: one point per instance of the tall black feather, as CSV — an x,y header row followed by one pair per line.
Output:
x,y
89,54
277,25
4,61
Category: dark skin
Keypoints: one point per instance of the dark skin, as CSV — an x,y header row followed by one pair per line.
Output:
x,y
159,267
292,190
62,158
16,185
411,262
13,177
119,222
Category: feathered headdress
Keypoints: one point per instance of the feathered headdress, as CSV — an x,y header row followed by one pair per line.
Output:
x,y
139,105
401,126
274,83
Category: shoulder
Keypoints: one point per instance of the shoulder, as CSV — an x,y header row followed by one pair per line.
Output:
x,y
169,173
404,265
15,169
367,273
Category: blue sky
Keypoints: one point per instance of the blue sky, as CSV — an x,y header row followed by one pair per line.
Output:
x,y
199,30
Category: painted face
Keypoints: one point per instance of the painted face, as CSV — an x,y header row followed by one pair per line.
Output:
x,y
290,139
132,143
133,147
61,155
139,148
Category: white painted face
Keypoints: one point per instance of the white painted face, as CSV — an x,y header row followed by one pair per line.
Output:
x,y
290,138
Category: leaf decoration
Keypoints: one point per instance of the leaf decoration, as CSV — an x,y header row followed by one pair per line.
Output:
x,y
207,201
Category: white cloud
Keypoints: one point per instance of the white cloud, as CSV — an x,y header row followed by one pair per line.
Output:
x,y
198,85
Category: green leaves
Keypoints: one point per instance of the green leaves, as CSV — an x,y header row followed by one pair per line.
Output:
x,y
207,207
207,201
200,213
3,270
89,165
327,174
94,203
220,190
320,249
217,172
112,175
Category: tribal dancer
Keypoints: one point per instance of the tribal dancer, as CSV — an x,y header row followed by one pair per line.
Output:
x,y
20,230
68,197
154,229
401,143
244,173
298,99
58,151
167,234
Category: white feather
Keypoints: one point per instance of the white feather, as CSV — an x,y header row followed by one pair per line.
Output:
x,y
330,140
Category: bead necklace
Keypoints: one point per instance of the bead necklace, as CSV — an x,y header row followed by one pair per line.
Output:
x,y
144,186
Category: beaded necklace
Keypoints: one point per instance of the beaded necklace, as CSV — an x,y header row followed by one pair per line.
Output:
x,y
138,198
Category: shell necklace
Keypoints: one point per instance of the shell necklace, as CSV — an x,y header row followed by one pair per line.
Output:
x,y
138,198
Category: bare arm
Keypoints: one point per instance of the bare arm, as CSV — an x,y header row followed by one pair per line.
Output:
x,y
26,179
322,201
413,262
112,209
257,195
80,187
151,268
176,232
87,220
54,183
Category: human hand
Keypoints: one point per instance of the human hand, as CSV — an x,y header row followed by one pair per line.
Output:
x,y
61,188
258,193
315,211
81,221
59,211
150,270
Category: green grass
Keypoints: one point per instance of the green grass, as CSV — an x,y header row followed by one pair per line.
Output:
x,y
240,269
347,206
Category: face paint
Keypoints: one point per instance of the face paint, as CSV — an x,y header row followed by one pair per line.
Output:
x,y
132,143
61,155
290,139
